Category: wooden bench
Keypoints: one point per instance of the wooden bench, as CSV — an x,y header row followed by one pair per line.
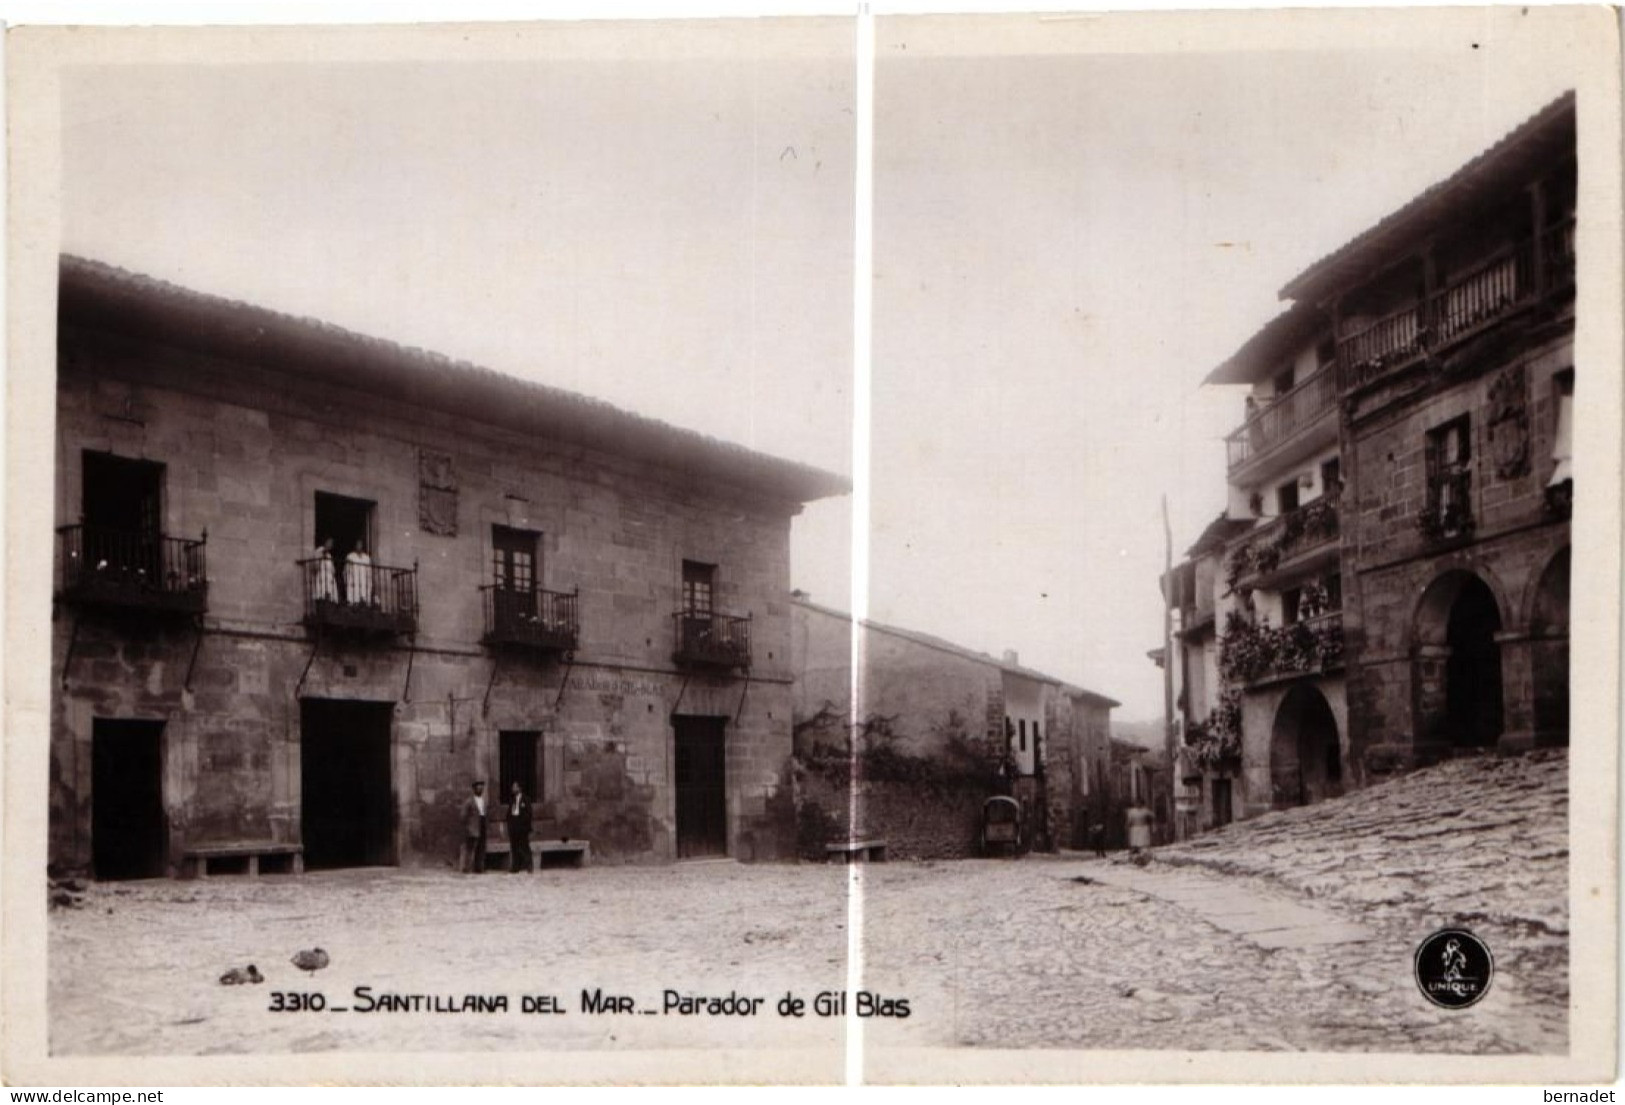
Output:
x,y
873,851
198,856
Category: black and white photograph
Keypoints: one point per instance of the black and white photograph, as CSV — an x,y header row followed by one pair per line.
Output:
x,y
894,549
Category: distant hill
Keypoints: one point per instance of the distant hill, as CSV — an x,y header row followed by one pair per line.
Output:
x,y
1146,734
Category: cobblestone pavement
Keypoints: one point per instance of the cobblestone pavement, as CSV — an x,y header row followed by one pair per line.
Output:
x,y
997,953
1479,843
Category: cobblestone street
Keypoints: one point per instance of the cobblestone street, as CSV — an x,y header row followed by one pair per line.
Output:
x,y
1041,952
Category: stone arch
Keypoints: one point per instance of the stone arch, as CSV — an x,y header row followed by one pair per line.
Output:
x,y
1548,602
1549,649
1457,676
1306,752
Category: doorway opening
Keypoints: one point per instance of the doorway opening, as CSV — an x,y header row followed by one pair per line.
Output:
x,y
702,791
347,810
519,763
129,832
1306,757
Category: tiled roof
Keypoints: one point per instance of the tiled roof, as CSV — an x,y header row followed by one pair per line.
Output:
x,y
942,645
1219,533
1279,338
103,295
1539,141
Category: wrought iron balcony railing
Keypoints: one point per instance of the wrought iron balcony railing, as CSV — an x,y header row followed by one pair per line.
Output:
x,y
1252,654
1492,289
109,567
530,617
1312,525
1284,417
363,598
712,640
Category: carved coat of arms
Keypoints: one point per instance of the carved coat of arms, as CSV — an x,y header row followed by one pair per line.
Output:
x,y
1509,423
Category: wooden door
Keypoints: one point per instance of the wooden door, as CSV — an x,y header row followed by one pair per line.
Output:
x,y
702,790
128,828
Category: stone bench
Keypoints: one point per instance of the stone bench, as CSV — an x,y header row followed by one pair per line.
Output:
x,y
198,856
579,852
853,851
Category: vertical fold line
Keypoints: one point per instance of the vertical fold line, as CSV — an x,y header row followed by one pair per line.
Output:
x,y
862,324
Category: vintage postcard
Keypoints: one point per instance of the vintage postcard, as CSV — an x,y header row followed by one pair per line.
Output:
x,y
903,549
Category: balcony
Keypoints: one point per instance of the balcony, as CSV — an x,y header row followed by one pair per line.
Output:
x,y
1290,542
531,618
1252,654
712,640
360,598
1284,418
1495,288
142,571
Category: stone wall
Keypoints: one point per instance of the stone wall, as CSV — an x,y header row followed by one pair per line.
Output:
x,y
245,452
927,693
917,822
1507,387
917,686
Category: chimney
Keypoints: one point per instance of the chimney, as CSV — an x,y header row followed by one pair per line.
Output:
x,y
1011,658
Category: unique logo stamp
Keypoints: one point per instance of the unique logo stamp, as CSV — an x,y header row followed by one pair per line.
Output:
x,y
1454,968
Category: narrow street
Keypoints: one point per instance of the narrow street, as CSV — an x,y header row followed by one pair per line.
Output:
x,y
1273,935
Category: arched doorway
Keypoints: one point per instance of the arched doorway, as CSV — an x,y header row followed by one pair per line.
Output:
x,y
1549,633
1458,672
1306,756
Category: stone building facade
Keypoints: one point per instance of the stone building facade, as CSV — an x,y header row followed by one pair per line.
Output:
x,y
1455,326
547,590
929,699
1398,589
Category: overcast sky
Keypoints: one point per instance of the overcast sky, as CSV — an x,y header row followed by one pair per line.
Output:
x,y
1068,236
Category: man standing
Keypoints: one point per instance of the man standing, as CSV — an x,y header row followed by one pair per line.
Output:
x,y
473,857
518,830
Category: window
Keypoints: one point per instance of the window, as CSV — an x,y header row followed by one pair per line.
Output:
x,y
1286,497
1284,381
346,522
513,577
122,511
513,559
1021,728
1331,477
1448,511
122,495
699,583
1563,432
1290,601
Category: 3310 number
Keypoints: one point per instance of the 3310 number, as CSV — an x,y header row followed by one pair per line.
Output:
x,y
294,1001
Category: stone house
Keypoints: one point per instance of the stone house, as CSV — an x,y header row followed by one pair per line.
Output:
x,y
1397,591
1003,727
310,585
1454,319
1208,744
1279,594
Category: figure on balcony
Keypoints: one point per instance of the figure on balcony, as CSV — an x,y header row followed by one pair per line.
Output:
x,y
324,585
358,576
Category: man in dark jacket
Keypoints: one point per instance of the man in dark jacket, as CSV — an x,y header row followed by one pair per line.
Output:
x,y
473,857
518,830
